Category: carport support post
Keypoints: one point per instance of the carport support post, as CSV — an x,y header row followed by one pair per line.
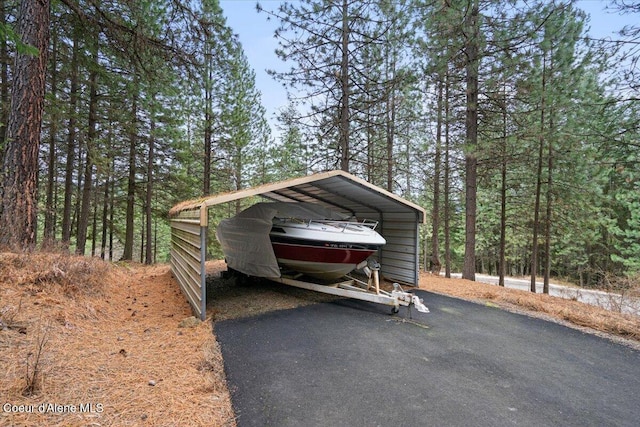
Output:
x,y
204,225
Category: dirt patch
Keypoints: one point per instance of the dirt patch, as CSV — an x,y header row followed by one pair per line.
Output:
x,y
229,298
113,353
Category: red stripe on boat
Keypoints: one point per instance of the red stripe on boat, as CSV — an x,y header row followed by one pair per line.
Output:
x,y
321,254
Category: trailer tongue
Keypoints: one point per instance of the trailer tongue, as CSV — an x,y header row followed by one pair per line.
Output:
x,y
352,287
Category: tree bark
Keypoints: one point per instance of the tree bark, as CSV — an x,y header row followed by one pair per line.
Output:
x,y
50,204
94,223
208,120
471,160
148,254
131,181
344,81
20,167
71,143
435,225
447,183
4,86
503,193
391,119
536,208
105,213
83,220
111,209
548,223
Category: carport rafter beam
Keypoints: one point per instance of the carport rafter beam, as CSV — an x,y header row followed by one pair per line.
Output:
x,y
278,193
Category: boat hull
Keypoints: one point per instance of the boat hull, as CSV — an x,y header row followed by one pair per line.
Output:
x,y
323,260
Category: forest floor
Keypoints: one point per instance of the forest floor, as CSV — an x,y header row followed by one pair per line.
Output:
x,y
108,346
103,344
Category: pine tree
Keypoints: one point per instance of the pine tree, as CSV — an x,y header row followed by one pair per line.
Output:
x,y
20,165
290,156
323,39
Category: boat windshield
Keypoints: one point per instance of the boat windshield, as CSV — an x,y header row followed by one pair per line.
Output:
x,y
352,225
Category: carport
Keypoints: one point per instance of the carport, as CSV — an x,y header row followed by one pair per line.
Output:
x,y
398,221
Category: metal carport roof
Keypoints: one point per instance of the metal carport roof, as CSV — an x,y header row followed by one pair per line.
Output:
x,y
334,189
337,190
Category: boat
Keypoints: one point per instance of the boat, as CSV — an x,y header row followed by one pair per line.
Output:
x,y
268,238
325,249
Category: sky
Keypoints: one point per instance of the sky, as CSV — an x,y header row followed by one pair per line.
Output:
x,y
257,37
256,34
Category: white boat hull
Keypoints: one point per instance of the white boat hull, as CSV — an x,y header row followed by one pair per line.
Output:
x,y
323,249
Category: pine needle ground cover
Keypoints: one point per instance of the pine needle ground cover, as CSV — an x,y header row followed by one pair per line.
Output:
x,y
85,342
108,345
621,327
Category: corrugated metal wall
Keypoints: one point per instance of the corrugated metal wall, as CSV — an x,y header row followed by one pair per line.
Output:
x,y
188,253
398,223
399,257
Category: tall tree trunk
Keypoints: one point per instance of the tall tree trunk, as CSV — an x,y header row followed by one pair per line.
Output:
x,y
447,184
208,121
83,220
106,201
369,126
238,166
79,179
4,86
112,209
131,181
71,143
148,259
143,236
536,208
391,119
547,241
105,211
94,223
503,192
50,205
19,216
435,225
344,82
471,160
155,232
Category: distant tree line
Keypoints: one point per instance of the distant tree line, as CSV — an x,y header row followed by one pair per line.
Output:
x,y
505,120
515,129
147,103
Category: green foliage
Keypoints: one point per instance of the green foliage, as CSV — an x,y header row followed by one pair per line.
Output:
x,y
627,231
189,80
7,34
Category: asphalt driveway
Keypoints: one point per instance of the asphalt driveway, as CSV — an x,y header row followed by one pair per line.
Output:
x,y
349,363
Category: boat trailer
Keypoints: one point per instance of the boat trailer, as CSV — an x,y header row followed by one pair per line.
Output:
x,y
355,288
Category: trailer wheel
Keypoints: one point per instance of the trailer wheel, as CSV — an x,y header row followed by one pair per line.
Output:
x,y
395,309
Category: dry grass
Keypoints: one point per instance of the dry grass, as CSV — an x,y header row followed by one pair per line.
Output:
x,y
112,331
625,326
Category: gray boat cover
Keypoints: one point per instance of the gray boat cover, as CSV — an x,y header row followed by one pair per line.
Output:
x,y
245,237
